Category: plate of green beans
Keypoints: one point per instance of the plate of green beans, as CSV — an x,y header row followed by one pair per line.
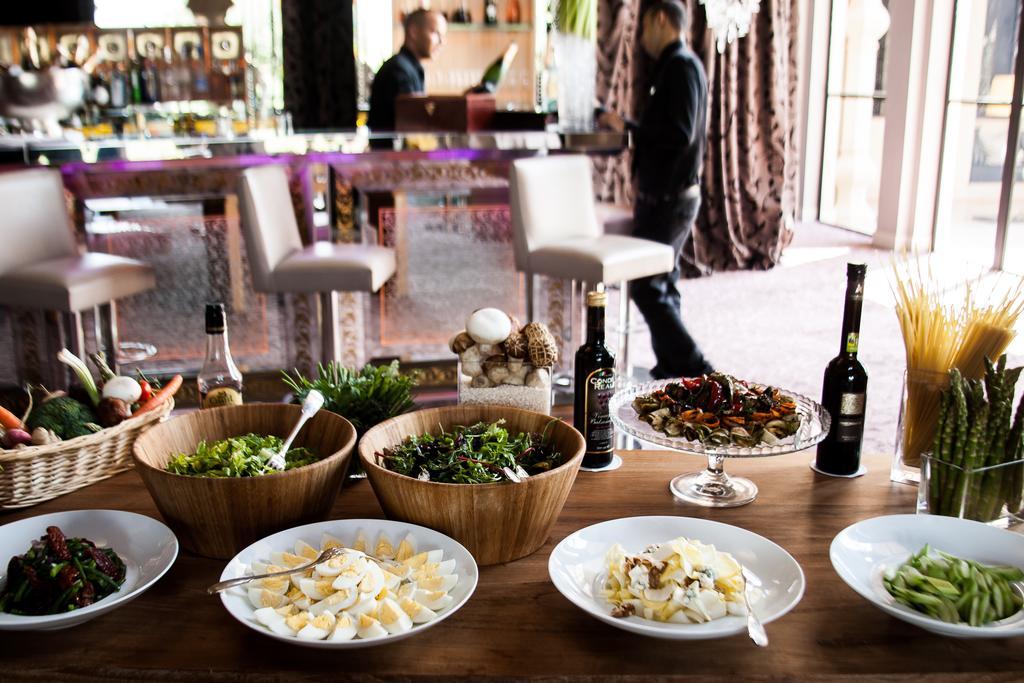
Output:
x,y
950,576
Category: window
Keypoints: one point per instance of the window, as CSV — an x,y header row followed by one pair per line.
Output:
x,y
854,114
977,127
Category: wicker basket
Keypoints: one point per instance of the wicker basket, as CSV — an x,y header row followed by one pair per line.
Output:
x,y
39,473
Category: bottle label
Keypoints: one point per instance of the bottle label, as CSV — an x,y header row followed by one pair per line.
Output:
x,y
850,420
222,396
597,425
851,404
852,342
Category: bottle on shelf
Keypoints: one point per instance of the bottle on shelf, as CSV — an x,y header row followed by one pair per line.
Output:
x,y
461,15
490,12
219,381
513,12
150,76
199,78
170,90
844,388
184,73
120,93
497,70
594,386
135,79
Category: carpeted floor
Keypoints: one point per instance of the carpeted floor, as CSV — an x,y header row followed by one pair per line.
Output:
x,y
783,326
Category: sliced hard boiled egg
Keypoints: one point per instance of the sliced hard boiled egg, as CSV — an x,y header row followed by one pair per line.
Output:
x,y
367,605
420,559
406,591
368,627
303,549
360,542
391,581
435,600
318,628
275,584
344,628
335,602
406,549
392,617
373,579
288,560
384,548
337,565
438,583
417,612
351,575
259,598
327,542
316,590
268,615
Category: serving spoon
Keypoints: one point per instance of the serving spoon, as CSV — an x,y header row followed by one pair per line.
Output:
x,y
755,629
313,402
328,554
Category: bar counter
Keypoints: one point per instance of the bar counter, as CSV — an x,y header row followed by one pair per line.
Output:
x,y
439,199
516,625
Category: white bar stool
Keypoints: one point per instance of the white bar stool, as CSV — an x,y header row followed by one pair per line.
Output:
x,y
280,264
43,267
557,233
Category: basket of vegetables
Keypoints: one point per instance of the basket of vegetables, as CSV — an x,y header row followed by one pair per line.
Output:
x,y
65,441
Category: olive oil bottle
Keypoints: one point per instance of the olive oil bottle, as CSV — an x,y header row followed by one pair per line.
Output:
x,y
594,386
220,382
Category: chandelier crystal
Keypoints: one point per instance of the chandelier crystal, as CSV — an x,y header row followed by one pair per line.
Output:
x,y
730,19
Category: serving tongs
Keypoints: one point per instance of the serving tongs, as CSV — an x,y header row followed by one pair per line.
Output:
x,y
326,555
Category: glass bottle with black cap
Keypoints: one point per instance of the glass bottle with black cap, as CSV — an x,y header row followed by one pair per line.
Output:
x,y
844,389
219,381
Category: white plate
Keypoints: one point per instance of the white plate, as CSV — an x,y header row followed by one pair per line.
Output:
x,y
147,547
863,552
346,529
577,565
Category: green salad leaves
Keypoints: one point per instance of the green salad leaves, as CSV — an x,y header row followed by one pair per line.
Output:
x,y
238,456
471,455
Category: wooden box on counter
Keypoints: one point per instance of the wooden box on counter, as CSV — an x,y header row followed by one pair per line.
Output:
x,y
444,113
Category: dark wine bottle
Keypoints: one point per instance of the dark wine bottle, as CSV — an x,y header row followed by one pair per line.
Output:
x,y
497,70
844,389
595,384
490,12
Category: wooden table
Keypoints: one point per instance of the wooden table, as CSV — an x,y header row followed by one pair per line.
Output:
x,y
517,625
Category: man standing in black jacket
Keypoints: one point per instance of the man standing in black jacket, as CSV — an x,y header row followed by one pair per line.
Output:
x,y
667,160
403,73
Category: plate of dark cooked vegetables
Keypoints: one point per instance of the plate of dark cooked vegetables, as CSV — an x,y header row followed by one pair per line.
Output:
x,y
66,568
954,577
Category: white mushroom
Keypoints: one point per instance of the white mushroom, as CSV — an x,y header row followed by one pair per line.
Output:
x,y
538,378
489,326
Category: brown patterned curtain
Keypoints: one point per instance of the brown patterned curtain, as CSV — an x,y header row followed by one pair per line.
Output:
x,y
319,65
750,171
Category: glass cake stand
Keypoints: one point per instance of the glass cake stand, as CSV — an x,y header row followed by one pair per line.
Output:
x,y
712,487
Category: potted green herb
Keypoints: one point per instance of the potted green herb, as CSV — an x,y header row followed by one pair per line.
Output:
x,y
364,397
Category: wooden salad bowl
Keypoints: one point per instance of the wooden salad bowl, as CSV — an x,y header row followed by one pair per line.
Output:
x,y
497,522
217,517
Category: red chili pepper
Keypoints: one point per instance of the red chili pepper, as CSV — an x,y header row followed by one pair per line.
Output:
x,y
692,383
716,396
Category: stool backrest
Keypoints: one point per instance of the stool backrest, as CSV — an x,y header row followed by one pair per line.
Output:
x,y
268,221
34,223
552,199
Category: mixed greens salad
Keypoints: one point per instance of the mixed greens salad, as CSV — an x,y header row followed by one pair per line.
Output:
x,y
59,574
238,456
477,454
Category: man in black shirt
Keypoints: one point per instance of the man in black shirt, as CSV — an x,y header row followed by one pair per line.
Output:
x,y
667,160
403,73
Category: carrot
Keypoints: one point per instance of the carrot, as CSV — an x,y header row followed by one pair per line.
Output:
x,y
159,397
9,420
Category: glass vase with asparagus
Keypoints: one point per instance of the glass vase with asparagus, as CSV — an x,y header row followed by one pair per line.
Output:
x,y
976,467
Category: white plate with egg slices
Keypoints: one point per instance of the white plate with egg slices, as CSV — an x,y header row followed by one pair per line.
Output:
x,y
863,552
578,568
351,602
147,548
